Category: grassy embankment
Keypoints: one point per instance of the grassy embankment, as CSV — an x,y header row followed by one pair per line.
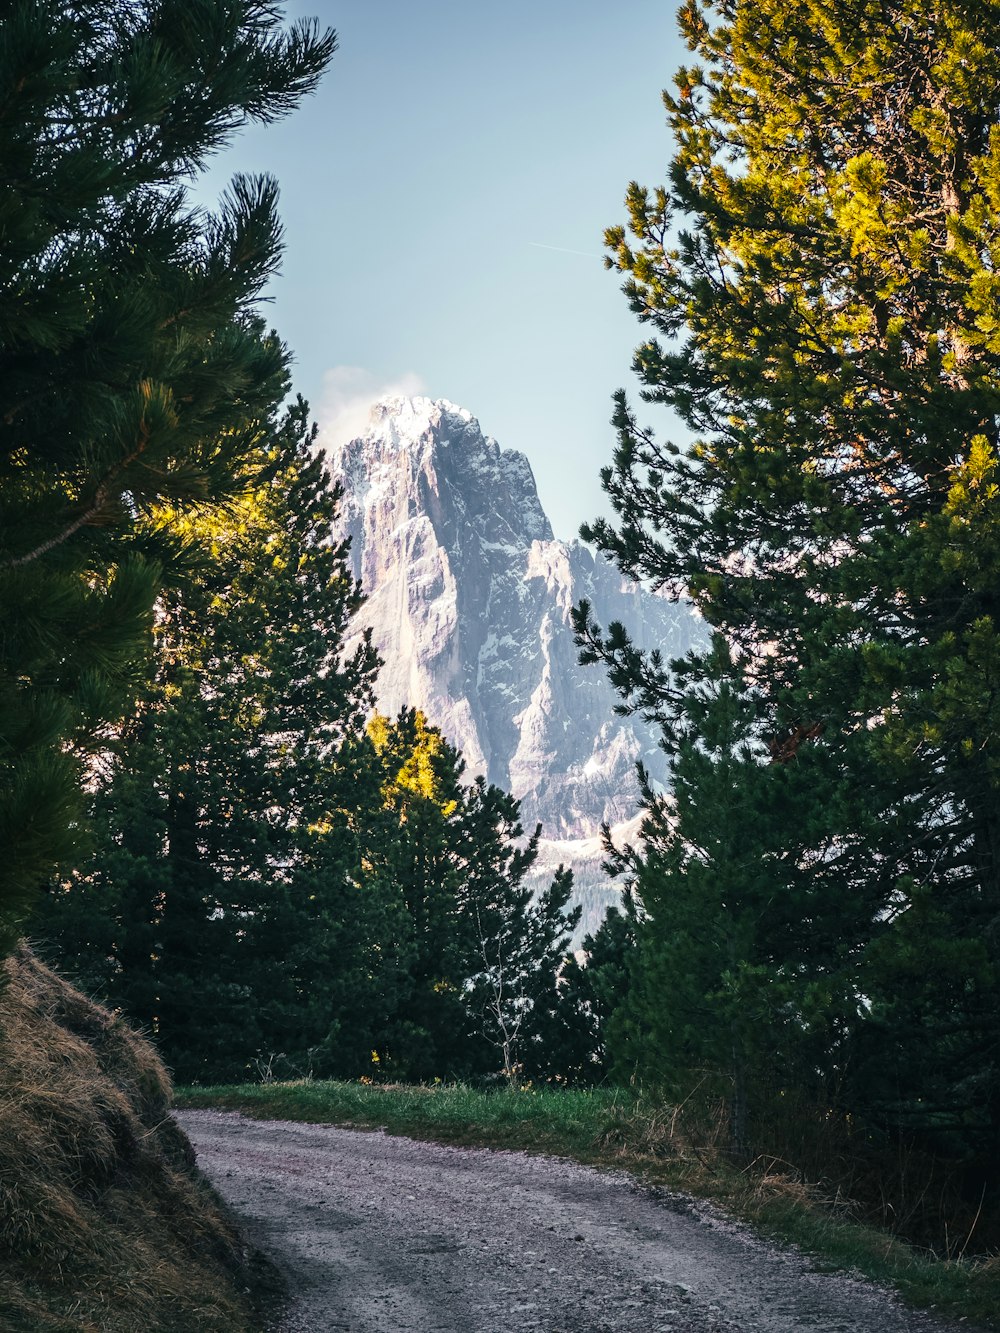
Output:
x,y
105,1226
613,1129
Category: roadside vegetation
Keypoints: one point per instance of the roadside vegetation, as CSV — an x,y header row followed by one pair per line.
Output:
x,y
104,1222
664,1146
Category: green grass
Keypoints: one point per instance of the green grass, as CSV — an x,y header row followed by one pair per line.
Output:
x,y
614,1129
543,1120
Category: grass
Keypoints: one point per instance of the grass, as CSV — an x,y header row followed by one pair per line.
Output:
x,y
105,1225
547,1120
614,1129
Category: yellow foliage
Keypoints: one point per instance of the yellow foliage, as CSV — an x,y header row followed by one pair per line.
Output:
x,y
417,772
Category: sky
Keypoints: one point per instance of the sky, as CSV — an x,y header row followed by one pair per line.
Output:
x,y
444,196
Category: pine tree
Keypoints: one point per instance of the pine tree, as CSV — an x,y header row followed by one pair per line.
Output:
x,y
225,857
594,985
134,369
740,984
519,941
480,955
413,862
820,271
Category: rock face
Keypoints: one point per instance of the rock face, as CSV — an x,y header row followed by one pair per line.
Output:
x,y
469,598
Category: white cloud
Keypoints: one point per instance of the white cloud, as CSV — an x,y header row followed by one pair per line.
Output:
x,y
349,393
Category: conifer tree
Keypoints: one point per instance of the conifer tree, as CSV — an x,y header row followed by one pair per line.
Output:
x,y
594,985
412,860
741,984
817,276
480,954
226,849
519,939
278,888
133,369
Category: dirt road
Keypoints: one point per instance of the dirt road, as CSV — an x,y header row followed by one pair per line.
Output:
x,y
386,1235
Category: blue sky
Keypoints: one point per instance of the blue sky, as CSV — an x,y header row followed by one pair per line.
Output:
x,y
444,197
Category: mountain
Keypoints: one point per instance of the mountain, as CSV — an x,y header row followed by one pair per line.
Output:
x,y
469,597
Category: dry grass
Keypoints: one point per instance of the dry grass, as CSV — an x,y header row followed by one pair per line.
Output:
x,y
104,1223
687,1147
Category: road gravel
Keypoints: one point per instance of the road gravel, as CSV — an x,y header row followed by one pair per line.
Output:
x,y
379,1234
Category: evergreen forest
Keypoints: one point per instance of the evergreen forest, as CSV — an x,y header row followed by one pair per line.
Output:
x,y
207,824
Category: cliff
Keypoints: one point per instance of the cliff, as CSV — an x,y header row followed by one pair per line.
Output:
x,y
469,598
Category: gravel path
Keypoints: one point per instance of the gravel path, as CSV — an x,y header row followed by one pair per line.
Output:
x,y
387,1235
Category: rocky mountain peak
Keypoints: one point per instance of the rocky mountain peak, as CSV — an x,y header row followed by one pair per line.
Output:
x,y
430,453
469,599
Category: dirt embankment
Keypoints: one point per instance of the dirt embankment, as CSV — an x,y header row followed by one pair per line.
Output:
x,y
387,1235
105,1226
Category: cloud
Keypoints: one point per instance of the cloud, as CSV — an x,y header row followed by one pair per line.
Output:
x,y
348,395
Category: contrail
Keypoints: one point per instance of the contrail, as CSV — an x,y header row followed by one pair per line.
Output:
x,y
563,251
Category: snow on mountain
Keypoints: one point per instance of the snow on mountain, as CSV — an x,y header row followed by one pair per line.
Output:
x,y
469,598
